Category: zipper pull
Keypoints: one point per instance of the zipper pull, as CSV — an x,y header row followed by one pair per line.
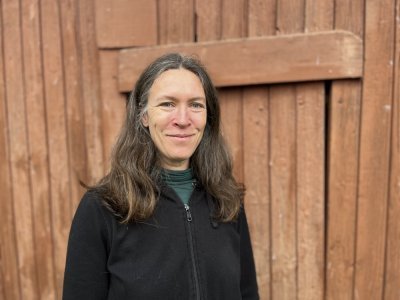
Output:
x,y
188,214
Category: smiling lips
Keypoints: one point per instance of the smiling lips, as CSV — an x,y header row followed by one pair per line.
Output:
x,y
180,136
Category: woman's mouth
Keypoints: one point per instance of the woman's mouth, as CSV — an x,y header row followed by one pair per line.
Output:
x,y
180,136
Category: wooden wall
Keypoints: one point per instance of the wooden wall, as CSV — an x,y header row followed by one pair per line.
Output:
x,y
321,159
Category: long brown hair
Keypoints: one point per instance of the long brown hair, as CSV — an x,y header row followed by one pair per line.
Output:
x,y
130,189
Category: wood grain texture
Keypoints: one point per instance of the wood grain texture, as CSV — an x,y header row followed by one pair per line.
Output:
x,y
289,20
392,263
208,20
10,280
19,150
261,18
342,166
54,93
113,103
75,118
256,148
176,21
311,147
350,15
232,120
319,56
283,191
375,149
256,180
90,85
319,15
234,19
38,151
290,16
126,23
233,23
343,134
310,131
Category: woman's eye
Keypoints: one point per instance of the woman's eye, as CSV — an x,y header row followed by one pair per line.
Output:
x,y
197,105
167,104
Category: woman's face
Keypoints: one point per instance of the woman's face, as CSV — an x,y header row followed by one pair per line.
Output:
x,y
176,116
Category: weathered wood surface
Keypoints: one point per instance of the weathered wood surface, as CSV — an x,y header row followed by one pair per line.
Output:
x,y
343,131
375,145
283,192
311,170
113,103
10,280
256,148
54,95
392,262
176,21
298,57
126,23
284,198
343,134
19,150
38,151
256,165
90,89
310,189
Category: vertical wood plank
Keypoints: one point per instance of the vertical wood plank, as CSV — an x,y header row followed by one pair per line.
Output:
x,y
256,148
350,15
233,25
176,21
289,19
232,120
282,115
310,131
290,16
261,17
256,179
126,23
392,274
319,15
342,166
19,149
113,103
39,171
89,62
57,133
234,19
344,130
73,100
8,244
374,149
311,167
208,20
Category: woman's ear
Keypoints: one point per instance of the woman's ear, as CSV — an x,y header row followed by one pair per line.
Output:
x,y
145,120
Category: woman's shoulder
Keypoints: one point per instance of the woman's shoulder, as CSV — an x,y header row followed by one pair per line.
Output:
x,y
93,205
91,199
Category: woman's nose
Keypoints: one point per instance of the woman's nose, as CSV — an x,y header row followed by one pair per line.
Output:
x,y
182,116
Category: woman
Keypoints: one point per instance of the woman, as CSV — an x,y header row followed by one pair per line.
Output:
x,y
167,221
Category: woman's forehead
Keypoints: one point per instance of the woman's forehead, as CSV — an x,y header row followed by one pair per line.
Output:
x,y
174,82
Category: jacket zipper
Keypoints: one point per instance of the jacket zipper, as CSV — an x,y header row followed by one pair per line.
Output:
x,y
196,278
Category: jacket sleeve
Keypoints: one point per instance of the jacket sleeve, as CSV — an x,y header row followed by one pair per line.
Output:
x,y
248,281
86,275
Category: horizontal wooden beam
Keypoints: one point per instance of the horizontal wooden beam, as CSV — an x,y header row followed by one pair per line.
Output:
x,y
289,58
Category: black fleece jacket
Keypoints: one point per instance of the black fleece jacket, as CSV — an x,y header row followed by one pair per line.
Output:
x,y
180,253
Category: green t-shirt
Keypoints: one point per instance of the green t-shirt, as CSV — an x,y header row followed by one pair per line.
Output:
x,y
182,182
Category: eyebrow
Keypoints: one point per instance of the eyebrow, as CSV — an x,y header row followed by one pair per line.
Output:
x,y
163,97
